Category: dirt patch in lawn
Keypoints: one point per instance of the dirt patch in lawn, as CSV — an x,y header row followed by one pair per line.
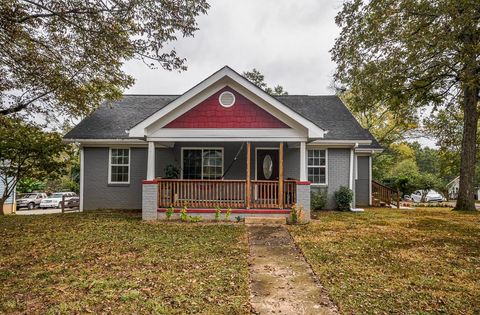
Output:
x,y
281,280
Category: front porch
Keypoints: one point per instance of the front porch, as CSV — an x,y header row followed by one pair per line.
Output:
x,y
269,193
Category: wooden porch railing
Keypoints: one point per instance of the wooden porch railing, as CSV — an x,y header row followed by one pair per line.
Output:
x,y
224,193
382,193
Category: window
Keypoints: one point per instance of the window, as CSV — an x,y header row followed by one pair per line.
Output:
x,y
119,166
317,166
202,163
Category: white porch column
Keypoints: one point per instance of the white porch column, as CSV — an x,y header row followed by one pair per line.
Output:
x,y
151,161
303,160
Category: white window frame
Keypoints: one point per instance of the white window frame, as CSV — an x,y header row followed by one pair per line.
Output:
x,y
319,166
202,149
110,165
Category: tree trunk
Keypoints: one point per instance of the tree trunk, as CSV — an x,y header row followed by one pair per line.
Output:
x,y
2,202
465,199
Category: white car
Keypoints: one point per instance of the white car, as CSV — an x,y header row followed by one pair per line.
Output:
x,y
55,200
432,196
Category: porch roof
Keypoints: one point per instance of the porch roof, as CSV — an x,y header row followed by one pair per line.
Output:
x,y
112,119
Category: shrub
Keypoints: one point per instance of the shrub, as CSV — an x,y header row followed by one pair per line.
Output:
x,y
318,200
218,211
228,213
238,219
171,171
169,213
296,214
344,197
183,214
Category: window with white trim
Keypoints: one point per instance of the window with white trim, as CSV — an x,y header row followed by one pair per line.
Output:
x,y
119,166
202,163
317,166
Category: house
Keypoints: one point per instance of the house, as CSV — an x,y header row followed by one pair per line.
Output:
x,y
9,206
234,146
454,186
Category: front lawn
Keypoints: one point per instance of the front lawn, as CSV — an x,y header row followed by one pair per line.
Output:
x,y
112,262
396,261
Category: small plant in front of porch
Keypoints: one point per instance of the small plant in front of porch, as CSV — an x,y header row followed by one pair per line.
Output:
x,y
183,214
228,213
296,214
344,198
218,211
192,218
238,219
169,213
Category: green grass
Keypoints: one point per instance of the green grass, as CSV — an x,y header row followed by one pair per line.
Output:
x,y
112,262
422,261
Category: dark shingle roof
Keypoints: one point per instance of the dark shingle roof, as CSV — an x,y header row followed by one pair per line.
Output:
x,y
110,121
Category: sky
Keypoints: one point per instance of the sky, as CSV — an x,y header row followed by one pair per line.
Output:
x,y
287,40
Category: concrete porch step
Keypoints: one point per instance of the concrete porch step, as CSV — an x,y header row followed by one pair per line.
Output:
x,y
265,220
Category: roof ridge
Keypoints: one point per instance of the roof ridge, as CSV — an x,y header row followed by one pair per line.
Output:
x,y
152,94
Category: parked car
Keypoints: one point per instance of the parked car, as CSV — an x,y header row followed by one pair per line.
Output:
x,y
55,200
73,202
432,196
30,200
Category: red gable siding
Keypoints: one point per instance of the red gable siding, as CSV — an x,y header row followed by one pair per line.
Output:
x,y
210,114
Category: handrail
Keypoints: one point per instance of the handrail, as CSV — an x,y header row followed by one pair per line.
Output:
x,y
210,193
385,194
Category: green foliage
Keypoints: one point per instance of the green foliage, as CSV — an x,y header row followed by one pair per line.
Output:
x,y
318,200
257,78
343,198
296,214
28,152
170,211
27,185
238,219
218,212
183,214
192,218
171,171
228,213
411,55
68,56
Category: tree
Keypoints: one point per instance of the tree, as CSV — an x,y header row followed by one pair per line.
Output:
x,y
257,78
410,54
426,182
386,126
66,56
27,151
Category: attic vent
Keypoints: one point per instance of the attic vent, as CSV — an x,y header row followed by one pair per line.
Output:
x,y
227,99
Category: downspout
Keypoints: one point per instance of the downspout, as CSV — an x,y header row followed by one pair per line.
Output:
x,y
351,184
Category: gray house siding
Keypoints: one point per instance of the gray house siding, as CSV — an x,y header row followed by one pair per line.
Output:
x,y
98,194
338,174
363,181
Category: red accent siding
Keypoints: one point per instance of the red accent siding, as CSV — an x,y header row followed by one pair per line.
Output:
x,y
210,114
234,211
154,181
303,183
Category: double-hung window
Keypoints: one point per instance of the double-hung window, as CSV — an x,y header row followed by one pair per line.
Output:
x,y
119,172
202,163
317,166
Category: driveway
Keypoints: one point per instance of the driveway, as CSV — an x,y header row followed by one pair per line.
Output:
x,y
43,211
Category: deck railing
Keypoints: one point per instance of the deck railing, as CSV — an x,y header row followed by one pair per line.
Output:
x,y
195,193
382,193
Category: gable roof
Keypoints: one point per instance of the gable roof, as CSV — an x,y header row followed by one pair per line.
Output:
x,y
227,74
113,120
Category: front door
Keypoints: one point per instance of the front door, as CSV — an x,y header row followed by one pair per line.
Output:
x,y
267,164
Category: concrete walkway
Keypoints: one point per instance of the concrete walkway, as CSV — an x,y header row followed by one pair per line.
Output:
x,y
281,280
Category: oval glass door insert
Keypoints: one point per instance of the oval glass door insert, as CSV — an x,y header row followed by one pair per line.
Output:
x,y
267,166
